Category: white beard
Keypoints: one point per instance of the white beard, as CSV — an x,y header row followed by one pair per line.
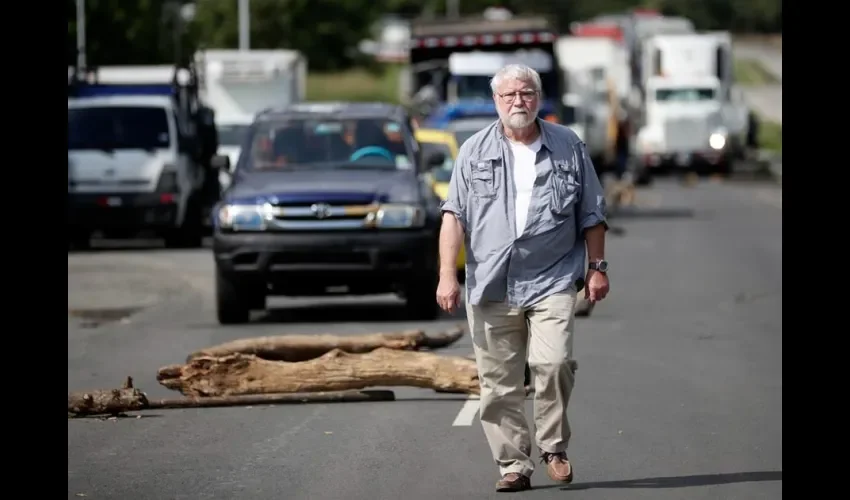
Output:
x,y
519,120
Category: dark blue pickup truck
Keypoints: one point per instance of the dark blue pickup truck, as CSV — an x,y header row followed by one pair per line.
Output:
x,y
327,198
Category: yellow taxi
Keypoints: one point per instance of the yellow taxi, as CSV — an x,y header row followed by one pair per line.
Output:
x,y
440,140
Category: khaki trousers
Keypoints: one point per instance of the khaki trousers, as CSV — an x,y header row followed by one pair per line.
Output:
x,y
502,336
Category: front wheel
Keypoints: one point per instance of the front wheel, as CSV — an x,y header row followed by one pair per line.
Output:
x,y
233,304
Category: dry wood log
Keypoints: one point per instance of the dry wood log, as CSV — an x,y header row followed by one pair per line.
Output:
x,y
105,402
294,348
109,402
238,374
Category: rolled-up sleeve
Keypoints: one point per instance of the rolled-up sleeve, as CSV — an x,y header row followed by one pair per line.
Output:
x,y
455,202
592,209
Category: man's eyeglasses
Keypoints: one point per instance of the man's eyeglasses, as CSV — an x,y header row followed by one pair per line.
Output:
x,y
525,95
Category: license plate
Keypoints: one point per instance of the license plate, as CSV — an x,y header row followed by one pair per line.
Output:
x,y
113,201
683,159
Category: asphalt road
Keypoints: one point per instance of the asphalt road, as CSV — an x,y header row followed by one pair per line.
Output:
x,y
766,99
679,388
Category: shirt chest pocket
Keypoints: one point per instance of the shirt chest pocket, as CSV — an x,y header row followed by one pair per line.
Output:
x,y
563,187
483,177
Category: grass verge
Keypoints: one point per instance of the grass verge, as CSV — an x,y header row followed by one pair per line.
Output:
x,y
356,84
752,73
770,135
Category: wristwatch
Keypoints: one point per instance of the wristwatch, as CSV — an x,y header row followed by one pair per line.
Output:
x,y
599,265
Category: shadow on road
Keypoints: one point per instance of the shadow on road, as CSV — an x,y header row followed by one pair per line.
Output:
x,y
678,481
654,213
133,245
340,313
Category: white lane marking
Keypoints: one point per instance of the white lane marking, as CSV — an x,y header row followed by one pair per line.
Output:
x,y
467,412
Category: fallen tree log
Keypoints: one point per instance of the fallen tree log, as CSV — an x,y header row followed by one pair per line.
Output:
x,y
117,401
239,374
294,348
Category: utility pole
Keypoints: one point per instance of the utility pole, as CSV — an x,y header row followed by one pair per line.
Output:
x,y
81,35
244,25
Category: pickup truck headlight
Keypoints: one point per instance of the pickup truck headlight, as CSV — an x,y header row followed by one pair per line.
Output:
x,y
398,216
241,218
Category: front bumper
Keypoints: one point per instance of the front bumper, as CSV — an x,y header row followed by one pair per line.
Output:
x,y
684,159
368,259
125,211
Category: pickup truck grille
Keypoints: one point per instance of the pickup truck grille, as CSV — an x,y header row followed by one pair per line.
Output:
x,y
322,216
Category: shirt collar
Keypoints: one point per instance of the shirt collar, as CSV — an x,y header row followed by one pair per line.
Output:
x,y
545,137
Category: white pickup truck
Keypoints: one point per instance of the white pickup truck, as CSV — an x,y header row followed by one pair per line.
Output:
x,y
140,150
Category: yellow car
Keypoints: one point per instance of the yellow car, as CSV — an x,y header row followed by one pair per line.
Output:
x,y
440,140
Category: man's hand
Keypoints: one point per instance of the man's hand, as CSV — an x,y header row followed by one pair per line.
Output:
x,y
448,292
597,286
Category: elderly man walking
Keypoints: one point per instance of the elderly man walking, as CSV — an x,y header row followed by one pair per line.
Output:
x,y
525,200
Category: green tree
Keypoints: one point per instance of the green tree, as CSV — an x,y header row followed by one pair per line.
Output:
x,y
126,32
326,31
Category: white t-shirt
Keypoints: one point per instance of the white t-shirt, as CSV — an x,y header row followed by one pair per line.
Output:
x,y
525,172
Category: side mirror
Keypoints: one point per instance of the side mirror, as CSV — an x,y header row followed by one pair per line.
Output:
x,y
220,162
436,159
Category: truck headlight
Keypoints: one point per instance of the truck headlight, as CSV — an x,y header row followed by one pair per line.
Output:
x,y
397,216
717,140
241,218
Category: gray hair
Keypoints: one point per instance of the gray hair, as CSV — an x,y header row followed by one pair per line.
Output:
x,y
516,72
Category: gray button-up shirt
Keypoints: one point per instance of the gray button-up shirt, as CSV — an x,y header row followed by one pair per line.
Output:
x,y
567,198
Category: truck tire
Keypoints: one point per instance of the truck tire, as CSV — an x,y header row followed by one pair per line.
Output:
x,y
421,299
231,300
190,234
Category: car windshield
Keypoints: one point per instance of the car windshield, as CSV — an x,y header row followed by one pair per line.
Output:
x,y
231,135
685,94
329,143
443,173
118,127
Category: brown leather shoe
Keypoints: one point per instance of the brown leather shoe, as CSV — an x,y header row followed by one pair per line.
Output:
x,y
513,481
558,467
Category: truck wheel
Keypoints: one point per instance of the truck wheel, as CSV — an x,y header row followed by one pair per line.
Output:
x,y
232,304
190,234
421,300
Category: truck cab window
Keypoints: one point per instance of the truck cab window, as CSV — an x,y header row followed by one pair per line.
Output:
x,y
111,127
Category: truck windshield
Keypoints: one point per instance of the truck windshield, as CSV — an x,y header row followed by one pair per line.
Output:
x,y
118,127
478,86
329,143
685,94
